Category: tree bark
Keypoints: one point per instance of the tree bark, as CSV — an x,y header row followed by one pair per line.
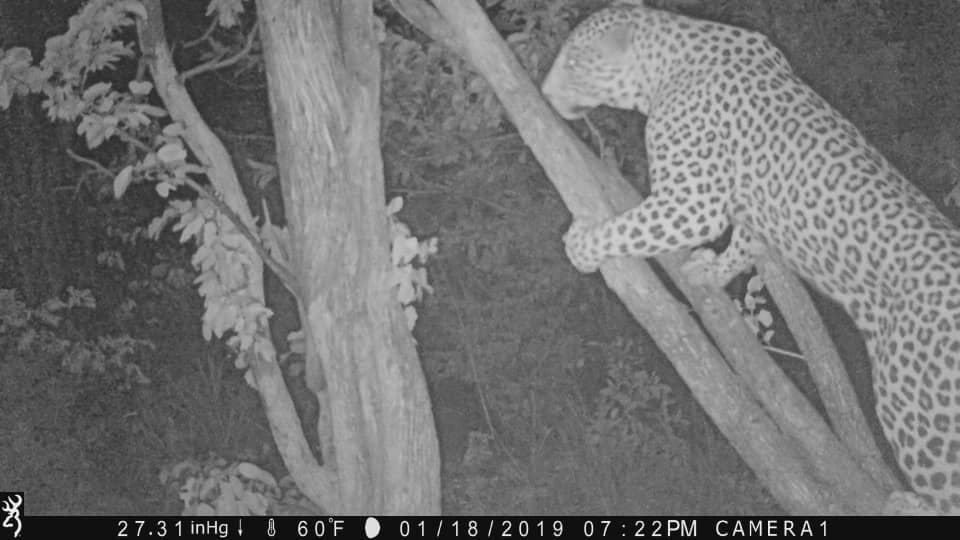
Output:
x,y
316,482
323,70
836,392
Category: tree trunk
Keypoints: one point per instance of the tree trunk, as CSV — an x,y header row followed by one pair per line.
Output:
x,y
323,70
316,482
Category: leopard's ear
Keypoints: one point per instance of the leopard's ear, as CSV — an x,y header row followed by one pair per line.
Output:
x,y
615,40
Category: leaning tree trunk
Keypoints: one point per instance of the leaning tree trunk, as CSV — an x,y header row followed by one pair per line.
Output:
x,y
323,71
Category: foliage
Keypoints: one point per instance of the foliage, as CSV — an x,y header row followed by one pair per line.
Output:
x,y
634,408
754,311
226,11
46,331
440,111
71,60
409,281
64,76
223,257
216,487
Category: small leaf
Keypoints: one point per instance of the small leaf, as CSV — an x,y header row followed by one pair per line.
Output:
x,y
173,129
5,95
395,205
140,88
171,153
252,472
96,91
122,181
191,229
164,189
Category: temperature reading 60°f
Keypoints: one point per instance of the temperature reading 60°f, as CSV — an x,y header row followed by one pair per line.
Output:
x,y
319,528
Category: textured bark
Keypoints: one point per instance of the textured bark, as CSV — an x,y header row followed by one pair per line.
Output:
x,y
316,482
323,70
837,394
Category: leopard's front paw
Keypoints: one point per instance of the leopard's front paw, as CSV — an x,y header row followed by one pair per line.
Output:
x,y
701,268
582,247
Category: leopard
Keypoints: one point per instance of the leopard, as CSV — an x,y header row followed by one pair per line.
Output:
x,y
736,143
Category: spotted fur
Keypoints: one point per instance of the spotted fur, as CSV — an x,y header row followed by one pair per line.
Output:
x,y
734,138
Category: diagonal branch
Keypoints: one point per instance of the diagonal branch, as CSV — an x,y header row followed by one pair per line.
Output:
x,y
214,23
837,394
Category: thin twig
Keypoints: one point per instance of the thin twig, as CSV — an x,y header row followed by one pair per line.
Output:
x,y
128,138
475,373
213,66
784,352
206,35
93,163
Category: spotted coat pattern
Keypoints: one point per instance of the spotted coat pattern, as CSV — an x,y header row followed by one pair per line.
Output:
x,y
735,139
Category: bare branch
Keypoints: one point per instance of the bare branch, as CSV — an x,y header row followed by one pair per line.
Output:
x,y
205,37
92,163
95,166
220,64
130,139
